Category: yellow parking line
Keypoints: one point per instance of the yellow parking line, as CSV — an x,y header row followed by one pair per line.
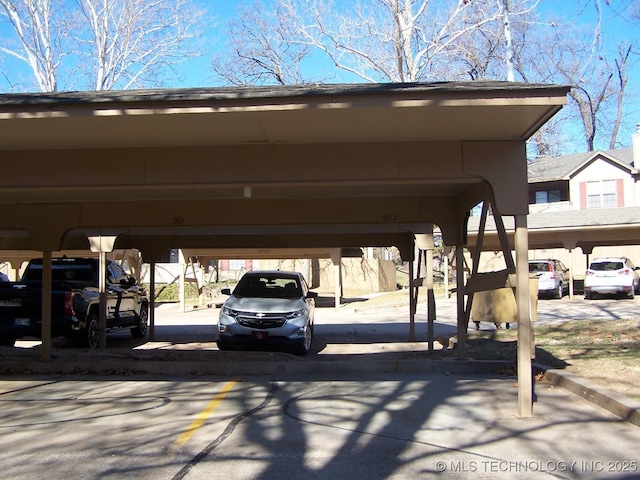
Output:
x,y
204,414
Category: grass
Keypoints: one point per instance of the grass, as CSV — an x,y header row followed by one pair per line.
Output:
x,y
606,352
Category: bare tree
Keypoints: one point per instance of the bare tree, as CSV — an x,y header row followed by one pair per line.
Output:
x,y
38,38
130,43
392,40
488,52
373,40
262,47
574,57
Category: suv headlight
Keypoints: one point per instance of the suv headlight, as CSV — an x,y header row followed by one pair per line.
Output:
x,y
296,314
230,312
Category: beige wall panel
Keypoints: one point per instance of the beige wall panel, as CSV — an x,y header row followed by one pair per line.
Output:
x,y
503,165
70,167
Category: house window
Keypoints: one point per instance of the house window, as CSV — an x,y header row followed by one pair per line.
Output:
x,y
547,196
602,194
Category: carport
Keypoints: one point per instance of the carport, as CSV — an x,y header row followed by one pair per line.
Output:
x,y
584,229
275,167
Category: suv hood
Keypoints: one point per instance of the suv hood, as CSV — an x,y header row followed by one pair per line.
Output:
x,y
265,305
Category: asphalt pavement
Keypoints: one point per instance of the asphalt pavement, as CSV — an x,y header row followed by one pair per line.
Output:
x,y
366,403
338,426
358,337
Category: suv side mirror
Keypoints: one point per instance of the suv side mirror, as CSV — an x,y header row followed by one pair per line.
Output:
x,y
225,291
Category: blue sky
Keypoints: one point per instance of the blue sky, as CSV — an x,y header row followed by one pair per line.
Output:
x,y
198,72
616,28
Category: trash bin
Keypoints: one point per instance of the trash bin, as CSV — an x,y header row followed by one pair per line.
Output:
x,y
499,306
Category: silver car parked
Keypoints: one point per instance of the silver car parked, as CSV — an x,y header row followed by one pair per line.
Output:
x,y
270,309
553,277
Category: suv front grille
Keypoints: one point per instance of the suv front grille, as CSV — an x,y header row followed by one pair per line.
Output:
x,y
268,320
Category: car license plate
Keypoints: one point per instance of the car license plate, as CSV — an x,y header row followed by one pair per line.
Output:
x,y
22,322
259,335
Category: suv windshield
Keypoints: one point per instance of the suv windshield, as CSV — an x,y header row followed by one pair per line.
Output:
x,y
268,286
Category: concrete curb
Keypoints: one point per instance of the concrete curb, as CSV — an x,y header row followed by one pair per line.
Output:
x,y
230,368
625,408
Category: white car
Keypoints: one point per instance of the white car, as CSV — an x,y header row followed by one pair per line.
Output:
x,y
611,275
553,277
270,309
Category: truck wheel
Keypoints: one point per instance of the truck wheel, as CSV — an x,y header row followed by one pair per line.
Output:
x,y
92,332
143,323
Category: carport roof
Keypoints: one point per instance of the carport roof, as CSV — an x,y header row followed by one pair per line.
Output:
x,y
569,228
473,111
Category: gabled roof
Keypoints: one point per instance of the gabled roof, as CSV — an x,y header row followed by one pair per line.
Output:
x,y
565,166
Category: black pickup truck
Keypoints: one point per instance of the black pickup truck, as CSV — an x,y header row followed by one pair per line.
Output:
x,y
75,299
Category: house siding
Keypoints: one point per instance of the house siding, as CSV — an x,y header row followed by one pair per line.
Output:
x,y
597,170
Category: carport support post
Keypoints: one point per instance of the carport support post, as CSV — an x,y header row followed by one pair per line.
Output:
x,y
181,287
431,300
152,300
571,270
336,258
461,315
424,241
102,244
412,295
525,331
102,287
46,306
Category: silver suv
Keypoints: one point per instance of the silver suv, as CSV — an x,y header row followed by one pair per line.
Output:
x,y
553,277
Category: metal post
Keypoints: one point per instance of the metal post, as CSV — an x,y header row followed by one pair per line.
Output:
x,y
102,288
152,300
46,306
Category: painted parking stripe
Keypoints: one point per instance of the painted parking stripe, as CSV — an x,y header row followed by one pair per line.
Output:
x,y
204,414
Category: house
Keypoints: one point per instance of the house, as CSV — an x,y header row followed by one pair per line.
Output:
x,y
581,206
584,181
588,191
